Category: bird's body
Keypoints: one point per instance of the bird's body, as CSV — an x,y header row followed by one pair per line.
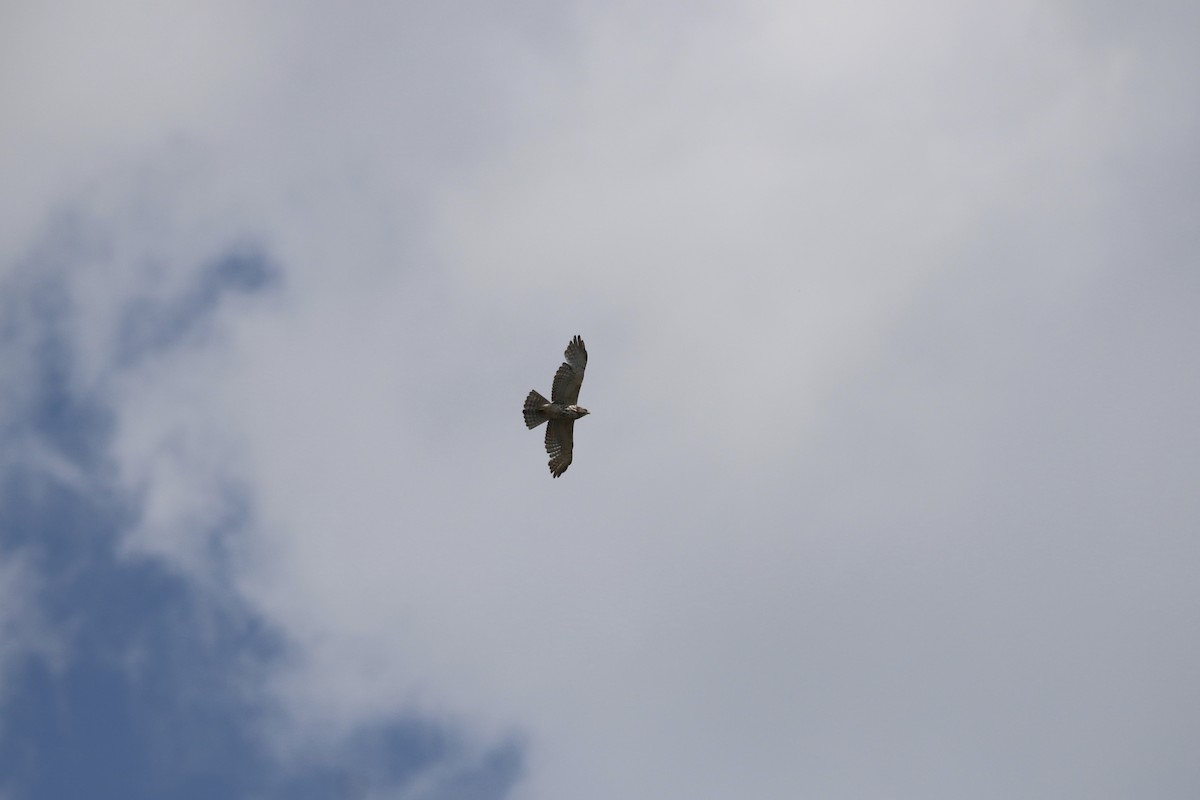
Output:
x,y
538,410
560,412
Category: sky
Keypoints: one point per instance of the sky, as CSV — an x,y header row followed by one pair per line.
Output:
x,y
889,484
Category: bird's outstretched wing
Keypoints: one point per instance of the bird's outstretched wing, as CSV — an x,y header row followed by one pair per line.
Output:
x,y
569,377
560,443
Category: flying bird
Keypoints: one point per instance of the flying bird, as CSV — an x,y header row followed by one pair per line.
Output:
x,y
560,411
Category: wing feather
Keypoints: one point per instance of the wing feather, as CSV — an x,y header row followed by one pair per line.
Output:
x,y
560,444
569,377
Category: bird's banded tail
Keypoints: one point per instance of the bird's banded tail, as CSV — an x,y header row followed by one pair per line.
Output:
x,y
534,415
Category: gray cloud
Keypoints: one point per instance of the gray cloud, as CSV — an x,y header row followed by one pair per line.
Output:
x,y
886,486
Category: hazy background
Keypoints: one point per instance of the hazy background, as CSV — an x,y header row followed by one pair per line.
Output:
x,y
890,484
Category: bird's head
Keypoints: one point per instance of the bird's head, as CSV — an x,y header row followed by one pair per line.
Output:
x,y
580,411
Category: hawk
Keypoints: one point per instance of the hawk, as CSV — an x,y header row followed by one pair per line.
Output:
x,y
560,411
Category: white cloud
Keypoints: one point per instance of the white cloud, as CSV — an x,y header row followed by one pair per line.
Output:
x,y
82,87
23,630
853,511
768,219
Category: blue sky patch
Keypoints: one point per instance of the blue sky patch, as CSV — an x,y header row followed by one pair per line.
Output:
x,y
159,690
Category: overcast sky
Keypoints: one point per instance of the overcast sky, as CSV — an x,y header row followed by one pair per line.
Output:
x,y
889,488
